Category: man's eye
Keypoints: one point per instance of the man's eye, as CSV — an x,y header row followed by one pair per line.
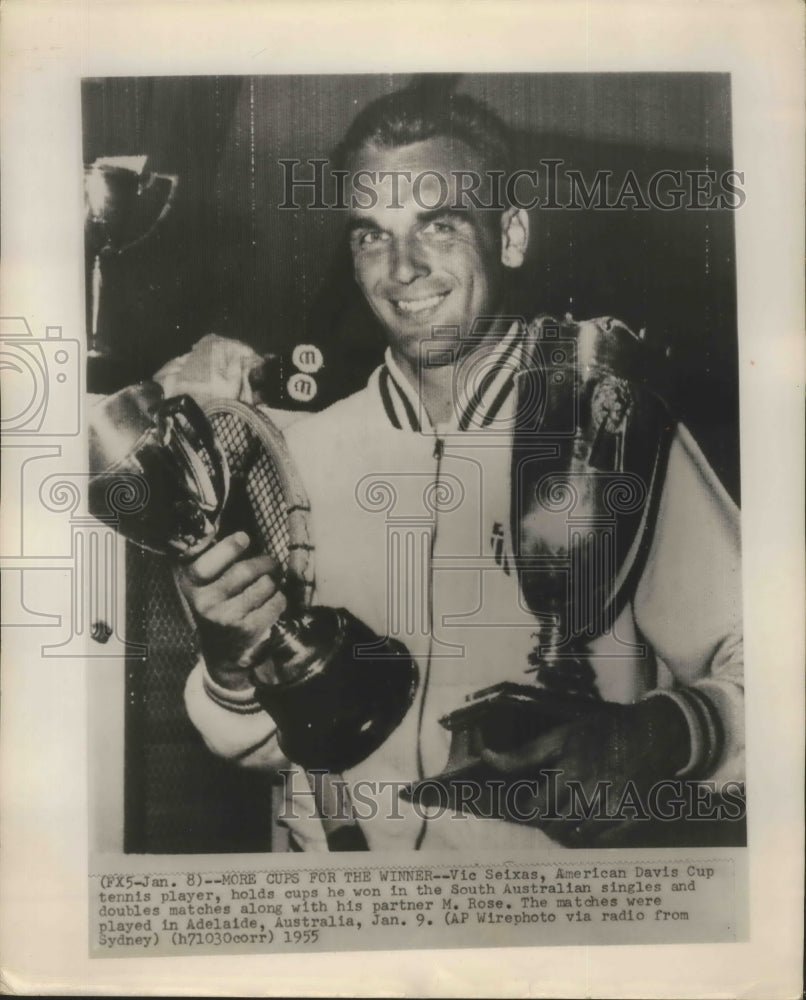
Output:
x,y
370,238
439,229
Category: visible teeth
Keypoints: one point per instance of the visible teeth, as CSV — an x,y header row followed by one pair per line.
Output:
x,y
418,305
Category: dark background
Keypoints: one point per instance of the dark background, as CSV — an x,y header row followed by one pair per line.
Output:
x,y
229,260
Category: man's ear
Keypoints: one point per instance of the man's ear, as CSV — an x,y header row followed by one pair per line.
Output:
x,y
514,236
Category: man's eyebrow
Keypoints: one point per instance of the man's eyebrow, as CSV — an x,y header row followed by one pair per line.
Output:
x,y
362,222
357,222
443,214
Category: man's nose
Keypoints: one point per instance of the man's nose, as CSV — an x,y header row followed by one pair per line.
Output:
x,y
409,261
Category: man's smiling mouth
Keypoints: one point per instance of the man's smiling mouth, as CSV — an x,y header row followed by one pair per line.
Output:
x,y
412,307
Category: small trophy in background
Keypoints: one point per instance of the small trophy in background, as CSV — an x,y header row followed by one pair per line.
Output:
x,y
124,205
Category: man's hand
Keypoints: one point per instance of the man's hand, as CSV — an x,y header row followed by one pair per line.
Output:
x,y
216,368
234,599
621,748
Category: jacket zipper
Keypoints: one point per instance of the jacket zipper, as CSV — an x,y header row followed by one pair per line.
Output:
x,y
439,448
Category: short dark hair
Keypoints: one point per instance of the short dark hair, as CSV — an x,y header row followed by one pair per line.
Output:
x,y
416,114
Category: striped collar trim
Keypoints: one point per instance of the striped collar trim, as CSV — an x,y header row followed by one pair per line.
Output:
x,y
491,377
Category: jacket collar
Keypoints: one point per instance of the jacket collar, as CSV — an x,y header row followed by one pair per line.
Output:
x,y
489,380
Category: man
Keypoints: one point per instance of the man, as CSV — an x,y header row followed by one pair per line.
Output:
x,y
410,490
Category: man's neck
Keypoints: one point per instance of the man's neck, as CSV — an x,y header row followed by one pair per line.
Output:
x,y
436,386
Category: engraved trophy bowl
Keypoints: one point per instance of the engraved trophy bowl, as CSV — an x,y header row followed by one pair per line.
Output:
x,y
588,475
157,471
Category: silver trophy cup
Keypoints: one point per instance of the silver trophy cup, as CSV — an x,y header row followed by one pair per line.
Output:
x,y
124,205
157,472
588,465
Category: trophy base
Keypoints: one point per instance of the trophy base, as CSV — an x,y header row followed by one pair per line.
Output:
x,y
334,707
507,716
502,718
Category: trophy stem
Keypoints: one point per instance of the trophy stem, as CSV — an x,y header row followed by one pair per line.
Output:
x,y
569,672
547,648
95,348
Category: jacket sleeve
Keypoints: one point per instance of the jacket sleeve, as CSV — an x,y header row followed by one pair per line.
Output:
x,y
688,605
232,723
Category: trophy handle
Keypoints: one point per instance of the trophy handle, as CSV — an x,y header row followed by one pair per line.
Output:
x,y
173,180
211,478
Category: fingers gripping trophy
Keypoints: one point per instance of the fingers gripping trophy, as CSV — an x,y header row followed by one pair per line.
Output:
x,y
214,489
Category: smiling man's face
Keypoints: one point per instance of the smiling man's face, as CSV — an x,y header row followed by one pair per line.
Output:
x,y
421,267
